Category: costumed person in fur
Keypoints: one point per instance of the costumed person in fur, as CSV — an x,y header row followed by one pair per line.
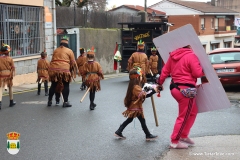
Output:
x,y
139,59
92,74
7,71
63,68
184,68
80,62
42,71
153,62
134,99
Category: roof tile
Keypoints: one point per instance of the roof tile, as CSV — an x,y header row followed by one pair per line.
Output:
x,y
202,6
140,8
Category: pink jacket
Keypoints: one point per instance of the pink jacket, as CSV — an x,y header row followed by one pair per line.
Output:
x,y
183,66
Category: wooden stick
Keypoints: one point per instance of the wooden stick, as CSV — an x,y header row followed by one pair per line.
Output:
x,y
40,80
85,95
154,111
151,72
5,87
61,97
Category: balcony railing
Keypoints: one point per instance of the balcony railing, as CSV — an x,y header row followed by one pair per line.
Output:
x,y
225,28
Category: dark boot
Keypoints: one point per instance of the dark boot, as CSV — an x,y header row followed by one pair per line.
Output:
x,y
118,133
46,88
39,89
84,86
149,136
67,104
12,103
0,105
49,103
94,105
91,106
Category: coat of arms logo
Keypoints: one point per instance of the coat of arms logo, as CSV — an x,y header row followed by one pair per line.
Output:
x,y
13,142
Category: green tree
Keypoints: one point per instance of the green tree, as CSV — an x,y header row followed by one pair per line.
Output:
x,y
58,3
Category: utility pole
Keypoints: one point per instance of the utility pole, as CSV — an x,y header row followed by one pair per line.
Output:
x,y
145,6
74,10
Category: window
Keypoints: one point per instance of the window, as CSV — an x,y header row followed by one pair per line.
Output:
x,y
22,28
224,56
202,23
212,23
216,24
227,44
214,46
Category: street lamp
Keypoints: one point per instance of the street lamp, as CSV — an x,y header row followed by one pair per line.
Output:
x,y
145,5
74,10
153,15
169,25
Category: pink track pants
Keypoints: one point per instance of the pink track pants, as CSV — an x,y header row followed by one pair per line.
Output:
x,y
186,115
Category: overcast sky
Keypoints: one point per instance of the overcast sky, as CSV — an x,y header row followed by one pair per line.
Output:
x,y
139,2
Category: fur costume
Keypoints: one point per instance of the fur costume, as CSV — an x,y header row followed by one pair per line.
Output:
x,y
139,59
80,62
135,110
42,69
92,73
153,61
7,69
62,66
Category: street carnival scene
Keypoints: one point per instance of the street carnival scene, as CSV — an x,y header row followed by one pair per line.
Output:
x,y
120,80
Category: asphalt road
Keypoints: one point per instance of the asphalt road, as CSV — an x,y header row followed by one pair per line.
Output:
x,y
56,133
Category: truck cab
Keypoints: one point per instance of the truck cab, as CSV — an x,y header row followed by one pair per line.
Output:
x,y
135,31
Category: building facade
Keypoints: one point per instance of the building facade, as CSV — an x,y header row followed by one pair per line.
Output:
x,y
28,27
213,25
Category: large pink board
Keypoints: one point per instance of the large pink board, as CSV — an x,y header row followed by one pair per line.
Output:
x,y
211,96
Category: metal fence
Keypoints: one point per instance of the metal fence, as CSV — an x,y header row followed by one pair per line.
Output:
x,y
67,16
225,28
22,28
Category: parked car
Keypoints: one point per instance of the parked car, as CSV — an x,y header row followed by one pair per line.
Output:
x,y
226,62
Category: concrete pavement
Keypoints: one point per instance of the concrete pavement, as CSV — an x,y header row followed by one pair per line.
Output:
x,y
219,147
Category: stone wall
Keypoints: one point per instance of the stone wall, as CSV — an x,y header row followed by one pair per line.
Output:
x,y
104,41
26,66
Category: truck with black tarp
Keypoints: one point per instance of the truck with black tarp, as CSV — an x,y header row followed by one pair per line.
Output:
x,y
135,31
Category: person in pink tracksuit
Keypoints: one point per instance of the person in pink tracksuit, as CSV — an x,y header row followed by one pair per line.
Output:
x,y
184,68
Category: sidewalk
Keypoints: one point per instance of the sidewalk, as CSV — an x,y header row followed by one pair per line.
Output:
x,y
208,148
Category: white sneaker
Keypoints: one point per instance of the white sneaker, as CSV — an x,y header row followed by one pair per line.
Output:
x,y
188,141
178,145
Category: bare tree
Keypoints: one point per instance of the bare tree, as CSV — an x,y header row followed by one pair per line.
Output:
x,y
95,5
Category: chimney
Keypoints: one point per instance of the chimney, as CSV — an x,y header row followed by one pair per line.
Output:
x,y
214,2
143,15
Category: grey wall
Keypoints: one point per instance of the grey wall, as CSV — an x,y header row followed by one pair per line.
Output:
x,y
26,66
104,41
